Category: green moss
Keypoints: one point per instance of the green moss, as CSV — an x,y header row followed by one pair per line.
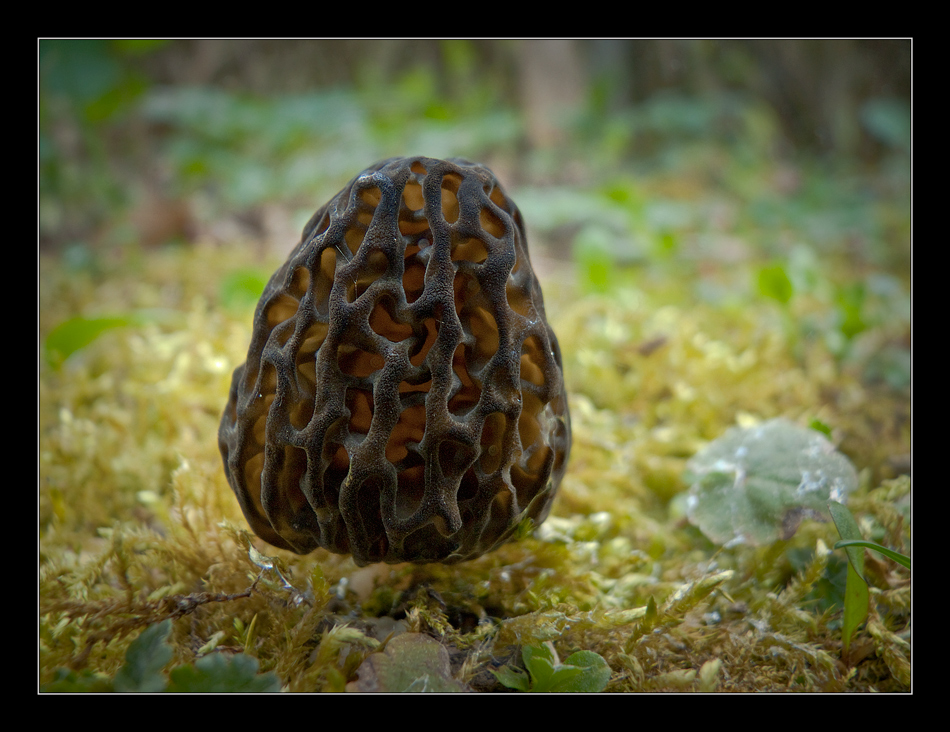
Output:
x,y
138,525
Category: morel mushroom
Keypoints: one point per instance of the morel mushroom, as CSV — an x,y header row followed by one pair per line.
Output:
x,y
402,398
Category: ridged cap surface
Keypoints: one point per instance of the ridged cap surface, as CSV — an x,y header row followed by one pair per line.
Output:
x,y
402,398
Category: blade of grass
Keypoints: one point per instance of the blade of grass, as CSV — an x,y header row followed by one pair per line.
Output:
x,y
856,596
901,559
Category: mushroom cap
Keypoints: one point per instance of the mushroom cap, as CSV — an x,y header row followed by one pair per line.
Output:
x,y
402,397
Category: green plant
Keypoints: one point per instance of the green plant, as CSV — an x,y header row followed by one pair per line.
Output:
x,y
77,332
755,485
775,284
144,666
856,599
88,88
583,671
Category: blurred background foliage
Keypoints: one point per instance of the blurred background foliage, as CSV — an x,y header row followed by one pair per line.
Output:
x,y
728,170
145,141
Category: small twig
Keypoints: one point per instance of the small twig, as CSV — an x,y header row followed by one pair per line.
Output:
x,y
175,606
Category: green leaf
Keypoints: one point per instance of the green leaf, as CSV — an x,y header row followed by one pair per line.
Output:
x,y
77,333
856,603
755,485
850,301
145,661
595,673
539,660
775,284
217,673
901,559
849,531
513,678
594,253
819,426
560,680
856,596
242,288
583,671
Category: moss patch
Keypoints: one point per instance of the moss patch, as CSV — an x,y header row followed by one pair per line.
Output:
x,y
137,523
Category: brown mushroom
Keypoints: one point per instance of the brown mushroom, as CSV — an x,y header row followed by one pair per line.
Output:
x,y
402,398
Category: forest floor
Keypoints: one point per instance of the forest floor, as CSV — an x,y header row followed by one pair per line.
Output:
x,y
688,301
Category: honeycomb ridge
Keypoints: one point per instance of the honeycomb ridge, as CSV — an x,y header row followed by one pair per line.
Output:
x,y
402,397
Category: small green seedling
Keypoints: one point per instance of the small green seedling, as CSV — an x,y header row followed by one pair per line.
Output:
x,y
584,671
856,596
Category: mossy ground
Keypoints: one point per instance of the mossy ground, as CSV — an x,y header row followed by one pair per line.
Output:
x,y
137,523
